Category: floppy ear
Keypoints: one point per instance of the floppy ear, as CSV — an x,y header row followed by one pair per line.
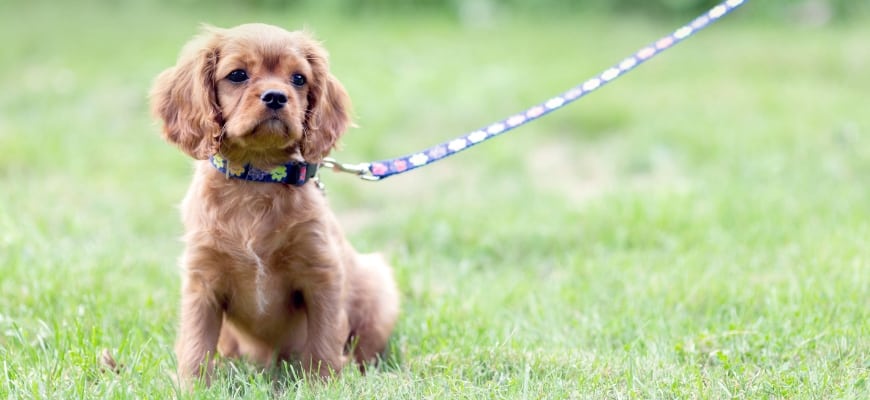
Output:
x,y
328,114
184,97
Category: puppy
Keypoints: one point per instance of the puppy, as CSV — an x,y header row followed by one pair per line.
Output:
x,y
268,273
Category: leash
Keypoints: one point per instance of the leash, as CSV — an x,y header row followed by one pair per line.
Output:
x,y
377,170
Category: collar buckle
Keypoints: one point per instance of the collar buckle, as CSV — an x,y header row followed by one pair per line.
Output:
x,y
362,170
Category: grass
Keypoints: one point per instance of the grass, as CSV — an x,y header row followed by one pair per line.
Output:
x,y
696,230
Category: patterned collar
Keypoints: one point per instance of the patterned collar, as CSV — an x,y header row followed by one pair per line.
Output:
x,y
295,173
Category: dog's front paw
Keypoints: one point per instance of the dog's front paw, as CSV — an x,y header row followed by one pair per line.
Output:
x,y
322,366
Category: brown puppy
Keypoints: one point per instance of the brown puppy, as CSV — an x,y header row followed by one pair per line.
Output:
x,y
268,273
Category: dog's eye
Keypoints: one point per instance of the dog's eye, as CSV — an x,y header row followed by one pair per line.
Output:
x,y
238,76
297,80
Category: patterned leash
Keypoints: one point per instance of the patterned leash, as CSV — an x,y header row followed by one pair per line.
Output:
x,y
378,170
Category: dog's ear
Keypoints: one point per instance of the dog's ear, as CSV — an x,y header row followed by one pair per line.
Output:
x,y
328,115
184,97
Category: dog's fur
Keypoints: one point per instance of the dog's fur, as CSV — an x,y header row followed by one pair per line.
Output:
x,y
268,273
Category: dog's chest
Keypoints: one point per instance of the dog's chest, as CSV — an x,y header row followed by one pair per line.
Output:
x,y
260,292
266,242
264,271
251,221
264,295
268,312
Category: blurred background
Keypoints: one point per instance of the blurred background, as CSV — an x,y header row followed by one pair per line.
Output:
x,y
722,185
472,11
76,77
419,71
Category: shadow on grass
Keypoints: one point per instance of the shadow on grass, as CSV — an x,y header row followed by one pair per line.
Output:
x,y
238,378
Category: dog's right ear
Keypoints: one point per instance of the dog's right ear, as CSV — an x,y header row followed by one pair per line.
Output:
x,y
185,98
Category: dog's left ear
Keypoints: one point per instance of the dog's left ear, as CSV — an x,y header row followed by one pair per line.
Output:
x,y
328,115
184,97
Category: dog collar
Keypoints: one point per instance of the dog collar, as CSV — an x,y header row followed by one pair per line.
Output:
x,y
295,173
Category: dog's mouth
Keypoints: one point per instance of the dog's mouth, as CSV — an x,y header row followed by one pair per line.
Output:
x,y
271,129
271,125
266,135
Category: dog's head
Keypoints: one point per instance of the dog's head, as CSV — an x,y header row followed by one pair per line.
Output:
x,y
254,90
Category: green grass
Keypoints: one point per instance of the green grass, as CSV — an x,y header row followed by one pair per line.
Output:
x,y
699,229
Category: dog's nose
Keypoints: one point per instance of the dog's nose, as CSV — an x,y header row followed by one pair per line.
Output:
x,y
274,99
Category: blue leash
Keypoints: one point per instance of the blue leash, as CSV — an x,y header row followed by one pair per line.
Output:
x,y
378,170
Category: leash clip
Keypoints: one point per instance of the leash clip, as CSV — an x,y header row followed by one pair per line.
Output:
x,y
361,170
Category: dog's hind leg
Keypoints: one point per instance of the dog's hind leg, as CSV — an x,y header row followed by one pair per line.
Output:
x,y
374,307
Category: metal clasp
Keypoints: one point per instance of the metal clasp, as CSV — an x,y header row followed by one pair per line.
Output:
x,y
361,170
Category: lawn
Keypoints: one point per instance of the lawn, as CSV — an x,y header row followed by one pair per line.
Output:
x,y
698,229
